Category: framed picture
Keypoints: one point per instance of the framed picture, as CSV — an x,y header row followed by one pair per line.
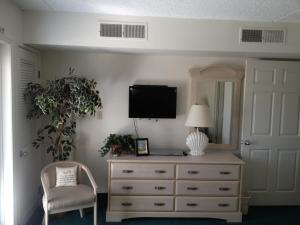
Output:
x,y
141,146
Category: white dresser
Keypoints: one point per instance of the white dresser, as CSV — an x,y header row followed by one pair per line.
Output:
x,y
175,186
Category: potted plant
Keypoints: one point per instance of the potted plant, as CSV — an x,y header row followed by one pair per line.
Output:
x,y
62,102
117,144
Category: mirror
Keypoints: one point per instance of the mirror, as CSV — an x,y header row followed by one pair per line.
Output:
x,y
219,87
218,96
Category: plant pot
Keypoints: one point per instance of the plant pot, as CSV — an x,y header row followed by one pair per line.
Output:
x,y
116,150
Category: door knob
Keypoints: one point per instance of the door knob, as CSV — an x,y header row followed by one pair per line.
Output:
x,y
246,142
23,153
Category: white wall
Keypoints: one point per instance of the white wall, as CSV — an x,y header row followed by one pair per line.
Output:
x,y
164,34
11,21
114,74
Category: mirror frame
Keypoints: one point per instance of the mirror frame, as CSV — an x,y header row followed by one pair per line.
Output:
x,y
221,73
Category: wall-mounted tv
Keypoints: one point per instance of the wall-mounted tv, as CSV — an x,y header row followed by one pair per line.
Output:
x,y
152,101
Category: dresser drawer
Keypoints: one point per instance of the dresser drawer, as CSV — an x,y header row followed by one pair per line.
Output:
x,y
208,172
142,187
126,203
142,170
216,204
220,188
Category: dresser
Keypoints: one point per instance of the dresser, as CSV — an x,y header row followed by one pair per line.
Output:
x,y
175,186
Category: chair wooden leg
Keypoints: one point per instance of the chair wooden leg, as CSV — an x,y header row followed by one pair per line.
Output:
x,y
81,213
95,214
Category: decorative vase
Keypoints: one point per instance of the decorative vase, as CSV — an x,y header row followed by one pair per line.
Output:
x,y
197,142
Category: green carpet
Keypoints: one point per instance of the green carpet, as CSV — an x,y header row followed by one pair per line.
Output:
x,y
274,215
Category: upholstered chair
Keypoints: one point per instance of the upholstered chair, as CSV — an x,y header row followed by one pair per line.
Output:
x,y
67,198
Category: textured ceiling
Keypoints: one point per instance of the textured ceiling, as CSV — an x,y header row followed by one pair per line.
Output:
x,y
249,10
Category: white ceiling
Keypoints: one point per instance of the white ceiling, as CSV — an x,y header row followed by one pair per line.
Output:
x,y
246,10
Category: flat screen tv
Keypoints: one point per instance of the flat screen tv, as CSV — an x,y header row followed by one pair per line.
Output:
x,y
152,101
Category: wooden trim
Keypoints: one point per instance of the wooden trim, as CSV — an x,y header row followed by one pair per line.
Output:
x,y
117,216
221,73
109,185
2,211
220,158
241,188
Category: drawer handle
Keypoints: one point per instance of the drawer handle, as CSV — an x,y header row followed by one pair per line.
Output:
x,y
159,188
224,188
225,172
127,171
191,204
126,204
127,187
223,205
159,204
160,171
193,172
192,188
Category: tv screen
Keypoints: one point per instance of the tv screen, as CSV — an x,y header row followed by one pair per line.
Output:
x,y
152,101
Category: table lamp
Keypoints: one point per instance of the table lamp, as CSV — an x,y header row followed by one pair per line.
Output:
x,y
198,117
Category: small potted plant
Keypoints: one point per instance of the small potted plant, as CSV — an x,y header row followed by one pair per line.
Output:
x,y
117,144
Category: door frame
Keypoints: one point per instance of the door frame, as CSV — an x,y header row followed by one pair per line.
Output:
x,y
1,147
6,122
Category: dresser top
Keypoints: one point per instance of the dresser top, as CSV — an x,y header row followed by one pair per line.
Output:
x,y
208,158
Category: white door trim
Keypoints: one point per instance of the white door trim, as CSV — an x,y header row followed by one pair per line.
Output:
x,y
7,125
1,148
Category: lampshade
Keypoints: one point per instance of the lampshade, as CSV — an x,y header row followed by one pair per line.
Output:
x,y
199,116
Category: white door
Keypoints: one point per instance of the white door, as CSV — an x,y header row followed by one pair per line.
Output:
x,y
28,160
270,132
1,148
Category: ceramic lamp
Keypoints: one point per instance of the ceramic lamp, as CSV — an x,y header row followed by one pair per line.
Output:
x,y
198,117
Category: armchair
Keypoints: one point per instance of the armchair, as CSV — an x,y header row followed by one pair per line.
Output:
x,y
62,199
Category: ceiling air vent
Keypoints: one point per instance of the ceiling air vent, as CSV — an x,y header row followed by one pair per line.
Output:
x,y
133,31
123,30
262,36
273,36
110,30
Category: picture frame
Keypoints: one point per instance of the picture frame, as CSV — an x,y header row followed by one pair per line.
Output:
x,y
142,147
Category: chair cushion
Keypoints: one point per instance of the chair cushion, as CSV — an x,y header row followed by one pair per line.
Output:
x,y
65,197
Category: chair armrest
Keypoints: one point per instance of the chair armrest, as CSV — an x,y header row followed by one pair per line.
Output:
x,y
91,178
45,186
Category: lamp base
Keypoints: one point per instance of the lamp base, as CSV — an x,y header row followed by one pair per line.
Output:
x,y
197,142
